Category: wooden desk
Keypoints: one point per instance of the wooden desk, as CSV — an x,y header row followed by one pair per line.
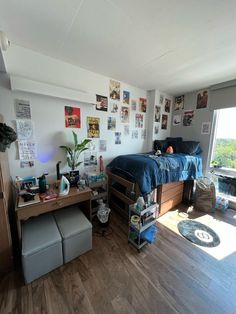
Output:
x,y
74,197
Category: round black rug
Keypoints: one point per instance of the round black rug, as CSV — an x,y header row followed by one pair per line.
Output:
x,y
198,233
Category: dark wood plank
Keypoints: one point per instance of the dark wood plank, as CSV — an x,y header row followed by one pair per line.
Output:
x,y
171,276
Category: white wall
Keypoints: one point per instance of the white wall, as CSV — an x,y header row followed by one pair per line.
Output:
x,y
48,112
50,131
153,97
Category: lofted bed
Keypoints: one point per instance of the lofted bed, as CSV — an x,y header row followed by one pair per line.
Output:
x,y
169,176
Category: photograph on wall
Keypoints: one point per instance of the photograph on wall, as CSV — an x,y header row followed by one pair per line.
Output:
x,y
161,100
206,126
124,114
139,120
134,134
126,130
24,129
101,103
167,105
114,107
142,104
133,105
143,134
27,150
177,119
117,137
22,109
102,145
202,99
156,129
114,90
111,123
90,158
188,117
179,103
126,96
164,121
93,127
157,117
27,164
72,117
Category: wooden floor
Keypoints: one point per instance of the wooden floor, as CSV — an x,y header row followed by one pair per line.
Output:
x,y
171,276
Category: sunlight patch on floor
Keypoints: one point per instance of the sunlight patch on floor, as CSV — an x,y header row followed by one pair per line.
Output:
x,y
225,231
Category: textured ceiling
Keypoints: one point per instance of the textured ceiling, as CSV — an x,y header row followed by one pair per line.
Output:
x,y
172,45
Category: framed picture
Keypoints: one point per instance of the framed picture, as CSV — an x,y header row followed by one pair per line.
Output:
x,y
206,126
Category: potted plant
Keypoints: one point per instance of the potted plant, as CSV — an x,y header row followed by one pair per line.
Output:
x,y
73,153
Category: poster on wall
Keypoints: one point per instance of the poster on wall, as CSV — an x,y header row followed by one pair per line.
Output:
x,y
164,121
134,134
124,114
206,126
90,158
22,109
126,130
24,129
157,116
161,100
27,164
143,134
72,117
93,127
133,105
177,119
114,90
179,103
126,96
111,123
167,105
188,117
114,107
117,137
139,120
202,99
27,150
101,103
142,104
156,129
102,145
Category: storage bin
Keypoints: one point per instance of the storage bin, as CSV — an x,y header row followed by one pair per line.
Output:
x,y
41,247
76,232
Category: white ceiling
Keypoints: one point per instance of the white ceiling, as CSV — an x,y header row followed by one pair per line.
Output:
x,y
175,46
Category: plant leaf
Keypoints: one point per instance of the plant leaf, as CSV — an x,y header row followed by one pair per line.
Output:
x,y
75,138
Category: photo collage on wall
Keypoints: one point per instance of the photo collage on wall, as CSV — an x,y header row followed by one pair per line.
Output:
x,y
121,111
186,117
25,134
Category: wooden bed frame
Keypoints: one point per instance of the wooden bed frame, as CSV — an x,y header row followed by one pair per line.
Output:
x,y
122,193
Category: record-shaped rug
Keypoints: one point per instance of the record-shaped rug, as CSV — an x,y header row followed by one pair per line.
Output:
x,y
198,233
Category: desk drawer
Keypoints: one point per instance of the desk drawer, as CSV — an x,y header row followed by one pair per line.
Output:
x,y
44,207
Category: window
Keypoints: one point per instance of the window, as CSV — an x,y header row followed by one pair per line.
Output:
x,y
224,147
223,157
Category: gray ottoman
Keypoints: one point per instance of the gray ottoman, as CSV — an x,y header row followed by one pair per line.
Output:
x,y
76,232
41,247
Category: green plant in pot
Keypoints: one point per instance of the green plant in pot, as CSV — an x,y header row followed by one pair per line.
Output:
x,y
73,153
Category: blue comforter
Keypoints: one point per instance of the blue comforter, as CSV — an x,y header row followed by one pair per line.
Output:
x,y
149,170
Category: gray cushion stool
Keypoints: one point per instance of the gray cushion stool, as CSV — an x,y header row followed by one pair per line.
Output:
x,y
76,232
41,247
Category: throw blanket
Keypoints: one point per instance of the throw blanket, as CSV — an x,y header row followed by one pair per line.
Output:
x,y
149,170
